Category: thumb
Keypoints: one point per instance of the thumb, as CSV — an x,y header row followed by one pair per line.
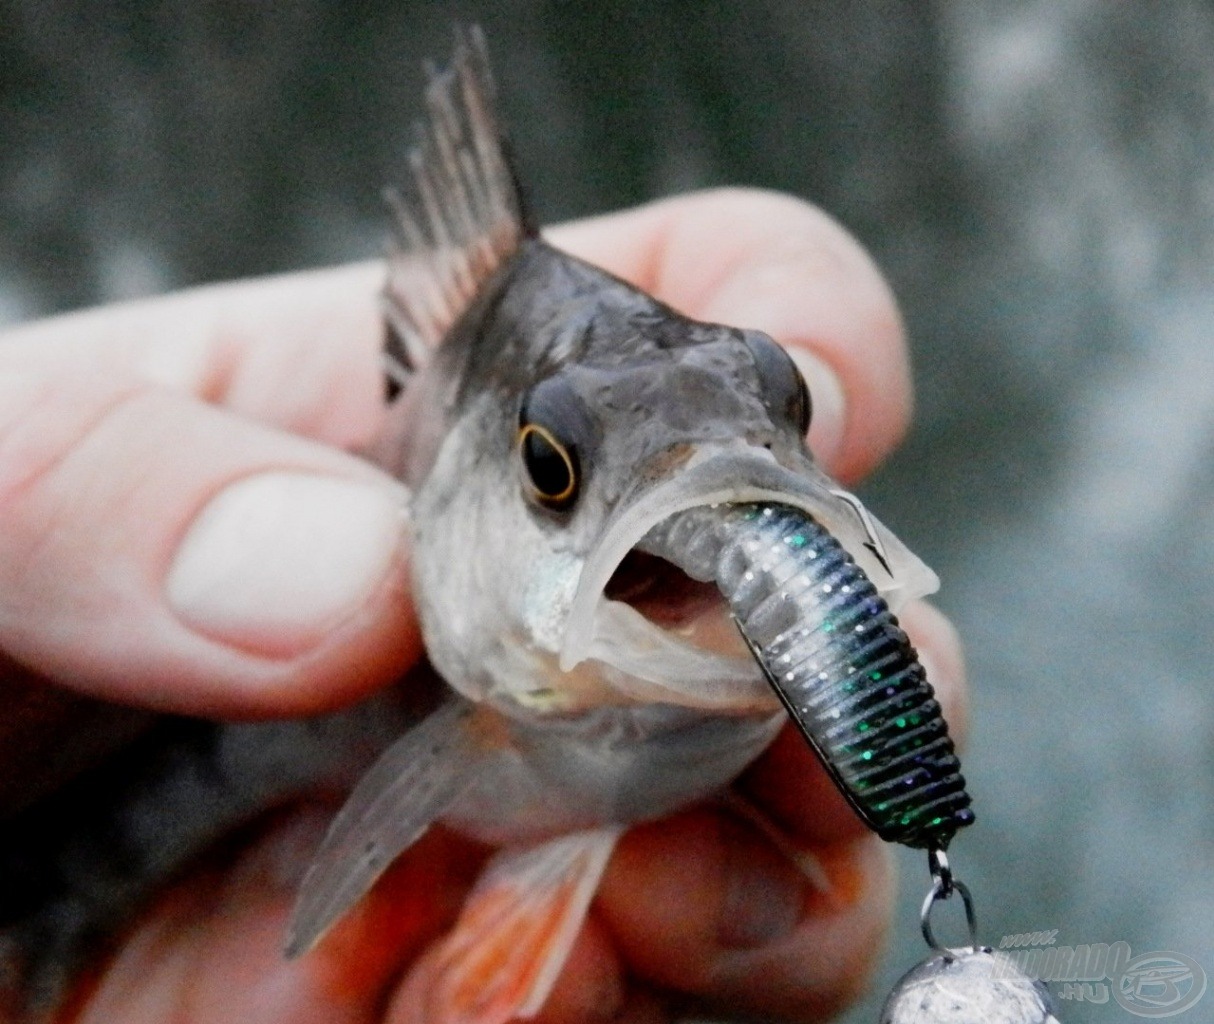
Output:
x,y
160,551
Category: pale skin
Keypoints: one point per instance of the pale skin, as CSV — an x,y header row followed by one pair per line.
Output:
x,y
119,426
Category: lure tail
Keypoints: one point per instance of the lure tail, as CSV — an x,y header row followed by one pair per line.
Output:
x,y
513,936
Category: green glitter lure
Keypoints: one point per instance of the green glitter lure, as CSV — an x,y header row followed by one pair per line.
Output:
x,y
837,658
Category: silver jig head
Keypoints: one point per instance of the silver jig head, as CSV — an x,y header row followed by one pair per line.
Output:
x,y
974,985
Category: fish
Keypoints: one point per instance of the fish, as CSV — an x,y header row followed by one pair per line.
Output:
x,y
570,444
596,484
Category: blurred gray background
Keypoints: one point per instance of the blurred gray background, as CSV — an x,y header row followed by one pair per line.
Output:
x,y
1037,181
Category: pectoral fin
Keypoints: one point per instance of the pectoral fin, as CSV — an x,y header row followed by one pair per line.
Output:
x,y
513,936
412,784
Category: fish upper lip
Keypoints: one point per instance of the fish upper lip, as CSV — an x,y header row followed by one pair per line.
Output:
x,y
734,475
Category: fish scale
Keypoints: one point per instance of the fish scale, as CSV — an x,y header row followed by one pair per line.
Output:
x,y
837,658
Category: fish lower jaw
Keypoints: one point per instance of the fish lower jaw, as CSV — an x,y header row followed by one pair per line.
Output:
x,y
696,661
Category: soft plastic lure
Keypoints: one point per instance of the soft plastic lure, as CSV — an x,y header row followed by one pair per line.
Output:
x,y
851,681
835,655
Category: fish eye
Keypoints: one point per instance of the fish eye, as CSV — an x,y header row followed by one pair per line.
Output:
x,y
553,434
551,466
781,382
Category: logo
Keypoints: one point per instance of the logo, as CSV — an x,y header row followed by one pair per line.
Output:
x,y
1159,984
1152,985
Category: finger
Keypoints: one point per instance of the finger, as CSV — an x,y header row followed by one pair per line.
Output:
x,y
591,988
753,258
156,550
594,987
703,904
788,783
210,951
297,351
774,263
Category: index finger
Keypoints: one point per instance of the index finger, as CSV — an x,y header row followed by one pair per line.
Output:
x,y
301,350
298,351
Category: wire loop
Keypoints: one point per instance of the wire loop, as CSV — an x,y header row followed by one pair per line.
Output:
x,y
940,892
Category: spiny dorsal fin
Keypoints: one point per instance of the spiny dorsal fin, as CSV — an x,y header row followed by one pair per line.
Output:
x,y
466,215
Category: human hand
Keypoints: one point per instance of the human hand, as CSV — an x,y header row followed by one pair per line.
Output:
x,y
180,529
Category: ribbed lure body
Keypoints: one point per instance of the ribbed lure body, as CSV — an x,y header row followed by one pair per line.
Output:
x,y
836,657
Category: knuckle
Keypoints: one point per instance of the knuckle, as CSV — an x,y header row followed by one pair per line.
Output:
x,y
44,487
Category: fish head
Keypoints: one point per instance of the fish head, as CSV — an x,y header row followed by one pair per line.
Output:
x,y
578,412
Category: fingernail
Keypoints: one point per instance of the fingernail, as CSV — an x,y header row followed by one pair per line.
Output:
x,y
764,890
826,397
275,561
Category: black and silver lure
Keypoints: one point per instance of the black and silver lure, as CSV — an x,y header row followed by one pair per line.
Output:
x,y
836,657
853,685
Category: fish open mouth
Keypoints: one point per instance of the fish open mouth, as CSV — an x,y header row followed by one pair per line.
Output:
x,y
662,592
670,638
657,617
661,633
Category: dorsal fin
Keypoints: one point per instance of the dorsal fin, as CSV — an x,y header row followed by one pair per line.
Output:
x,y
466,214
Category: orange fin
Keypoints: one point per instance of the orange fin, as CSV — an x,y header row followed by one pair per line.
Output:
x,y
513,935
